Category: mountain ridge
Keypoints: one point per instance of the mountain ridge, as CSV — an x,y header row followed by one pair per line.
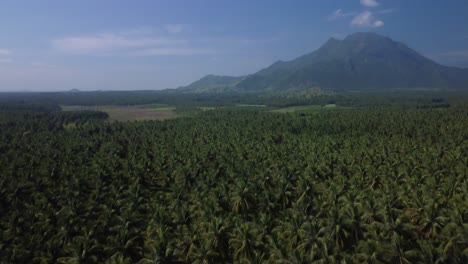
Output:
x,y
213,83
361,61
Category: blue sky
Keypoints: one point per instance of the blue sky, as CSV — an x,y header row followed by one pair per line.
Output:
x,y
156,44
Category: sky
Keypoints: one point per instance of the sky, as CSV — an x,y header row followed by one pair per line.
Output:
x,y
56,45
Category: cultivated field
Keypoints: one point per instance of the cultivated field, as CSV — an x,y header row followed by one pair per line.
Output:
x,y
130,113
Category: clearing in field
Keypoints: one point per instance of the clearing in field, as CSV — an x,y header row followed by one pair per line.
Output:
x,y
130,113
251,105
206,108
233,107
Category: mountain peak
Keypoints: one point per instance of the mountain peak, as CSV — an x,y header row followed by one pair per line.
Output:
x,y
357,42
361,61
370,39
366,36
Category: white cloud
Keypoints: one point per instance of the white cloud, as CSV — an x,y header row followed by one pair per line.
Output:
x,y
39,64
173,28
4,56
378,23
135,43
172,52
5,52
339,13
366,19
106,43
149,42
369,3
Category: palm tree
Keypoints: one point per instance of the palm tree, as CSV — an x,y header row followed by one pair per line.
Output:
x,y
337,228
217,237
159,247
242,200
373,252
311,244
432,223
244,242
403,255
203,253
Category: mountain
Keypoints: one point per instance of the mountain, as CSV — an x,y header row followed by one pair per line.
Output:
x,y
361,61
213,83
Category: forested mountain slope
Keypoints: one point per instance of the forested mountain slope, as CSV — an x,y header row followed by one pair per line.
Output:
x,y
213,83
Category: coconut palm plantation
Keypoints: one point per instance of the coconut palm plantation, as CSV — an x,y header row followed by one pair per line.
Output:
x,y
209,132
380,185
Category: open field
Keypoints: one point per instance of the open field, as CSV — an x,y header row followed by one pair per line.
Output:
x,y
130,113
207,108
251,105
147,111
159,107
233,107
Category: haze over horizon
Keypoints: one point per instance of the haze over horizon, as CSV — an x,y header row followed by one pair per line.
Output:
x,y
123,45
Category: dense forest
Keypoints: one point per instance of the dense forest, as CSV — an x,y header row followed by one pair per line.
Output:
x,y
385,182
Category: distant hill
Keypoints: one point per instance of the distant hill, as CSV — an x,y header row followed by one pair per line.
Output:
x,y
213,83
74,91
361,61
